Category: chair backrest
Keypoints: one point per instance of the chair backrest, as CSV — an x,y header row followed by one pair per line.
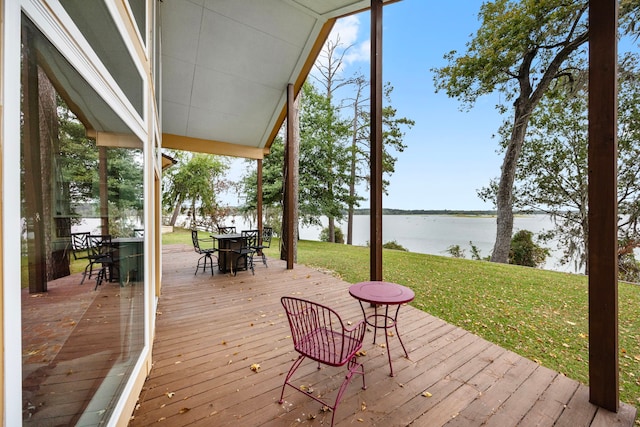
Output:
x,y
267,233
80,245
196,242
250,238
227,230
319,333
100,245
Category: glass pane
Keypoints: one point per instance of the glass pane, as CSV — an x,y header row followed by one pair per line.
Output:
x,y
82,295
94,20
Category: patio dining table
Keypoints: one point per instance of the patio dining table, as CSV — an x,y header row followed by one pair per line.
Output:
x,y
227,243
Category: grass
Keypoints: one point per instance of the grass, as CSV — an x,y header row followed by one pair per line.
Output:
x,y
539,314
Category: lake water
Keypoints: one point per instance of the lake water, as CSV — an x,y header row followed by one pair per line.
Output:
x,y
433,234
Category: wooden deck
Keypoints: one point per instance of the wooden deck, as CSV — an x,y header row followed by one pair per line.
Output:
x,y
210,330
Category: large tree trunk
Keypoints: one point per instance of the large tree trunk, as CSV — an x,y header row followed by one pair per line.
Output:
x,y
526,102
504,199
49,143
176,211
352,174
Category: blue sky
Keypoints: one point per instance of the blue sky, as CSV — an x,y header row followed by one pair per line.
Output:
x,y
450,154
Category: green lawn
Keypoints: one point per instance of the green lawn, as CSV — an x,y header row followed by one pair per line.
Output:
x,y
541,315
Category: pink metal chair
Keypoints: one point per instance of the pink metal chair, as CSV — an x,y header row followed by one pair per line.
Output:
x,y
319,334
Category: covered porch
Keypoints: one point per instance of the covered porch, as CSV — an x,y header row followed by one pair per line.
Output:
x,y
210,330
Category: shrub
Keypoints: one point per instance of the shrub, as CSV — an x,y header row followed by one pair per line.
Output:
x,y
395,246
324,235
455,251
524,251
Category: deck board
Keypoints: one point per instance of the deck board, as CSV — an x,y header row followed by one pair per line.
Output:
x,y
211,329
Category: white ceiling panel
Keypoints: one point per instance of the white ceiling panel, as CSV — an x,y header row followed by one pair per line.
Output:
x,y
245,52
180,74
227,63
174,118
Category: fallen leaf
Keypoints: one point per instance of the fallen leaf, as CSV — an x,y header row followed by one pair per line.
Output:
x,y
170,394
255,367
363,406
184,410
426,394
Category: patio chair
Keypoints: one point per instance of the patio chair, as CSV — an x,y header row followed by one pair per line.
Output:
x,y
207,253
248,240
227,230
263,243
319,334
101,252
80,250
138,232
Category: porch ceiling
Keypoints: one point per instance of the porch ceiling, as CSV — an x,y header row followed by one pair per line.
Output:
x,y
226,65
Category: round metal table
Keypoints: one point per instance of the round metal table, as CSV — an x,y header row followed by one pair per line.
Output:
x,y
384,294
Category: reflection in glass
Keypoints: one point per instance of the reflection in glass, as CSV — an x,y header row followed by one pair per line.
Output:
x,y
79,342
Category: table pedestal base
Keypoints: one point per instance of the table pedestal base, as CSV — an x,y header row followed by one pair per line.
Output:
x,y
388,322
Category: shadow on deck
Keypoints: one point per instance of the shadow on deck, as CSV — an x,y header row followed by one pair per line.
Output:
x,y
211,329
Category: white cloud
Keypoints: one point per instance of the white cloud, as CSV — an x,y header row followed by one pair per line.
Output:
x,y
346,30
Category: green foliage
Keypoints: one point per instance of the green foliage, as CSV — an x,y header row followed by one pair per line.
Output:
x,y
78,182
524,251
394,246
196,180
455,251
339,236
512,34
552,169
324,157
628,268
475,253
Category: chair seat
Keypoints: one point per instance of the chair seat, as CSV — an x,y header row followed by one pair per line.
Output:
x,y
328,346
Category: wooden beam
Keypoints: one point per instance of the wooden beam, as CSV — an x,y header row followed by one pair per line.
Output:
x,y
603,210
259,196
185,143
288,226
108,139
376,141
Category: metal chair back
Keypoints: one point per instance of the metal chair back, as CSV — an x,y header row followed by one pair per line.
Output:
x,y
80,245
227,230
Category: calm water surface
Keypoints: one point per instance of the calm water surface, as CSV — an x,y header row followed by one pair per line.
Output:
x,y
433,234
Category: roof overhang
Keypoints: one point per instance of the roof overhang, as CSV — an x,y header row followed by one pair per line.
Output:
x,y
226,66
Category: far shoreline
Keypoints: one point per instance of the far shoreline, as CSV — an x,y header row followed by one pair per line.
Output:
x,y
461,213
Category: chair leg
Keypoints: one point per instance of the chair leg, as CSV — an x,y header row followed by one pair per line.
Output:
x,y
243,256
100,277
293,368
88,269
203,261
353,368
